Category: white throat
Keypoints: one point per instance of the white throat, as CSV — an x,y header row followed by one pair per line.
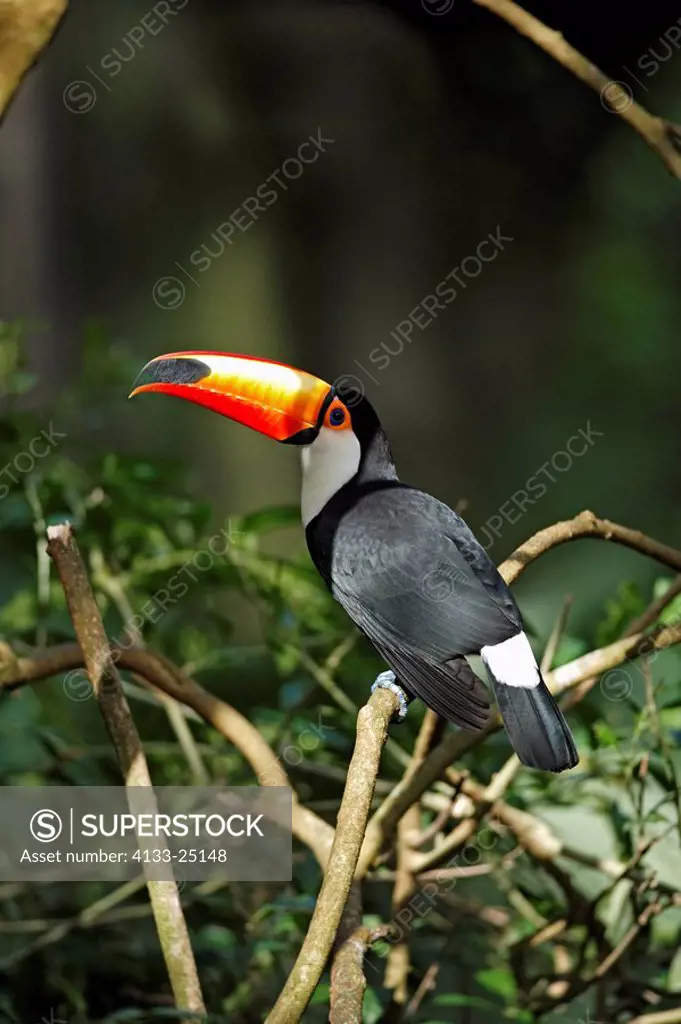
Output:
x,y
328,463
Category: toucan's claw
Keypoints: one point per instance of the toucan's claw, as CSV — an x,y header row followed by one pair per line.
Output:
x,y
387,681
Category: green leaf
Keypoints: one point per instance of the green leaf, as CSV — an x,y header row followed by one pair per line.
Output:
x,y
619,612
321,994
499,981
19,614
372,1009
605,734
569,648
672,613
674,976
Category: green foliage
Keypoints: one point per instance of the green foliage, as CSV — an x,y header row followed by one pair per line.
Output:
x,y
235,602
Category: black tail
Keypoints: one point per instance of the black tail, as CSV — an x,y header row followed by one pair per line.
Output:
x,y
536,726
540,735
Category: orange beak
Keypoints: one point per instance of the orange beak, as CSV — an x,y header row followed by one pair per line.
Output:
x,y
272,398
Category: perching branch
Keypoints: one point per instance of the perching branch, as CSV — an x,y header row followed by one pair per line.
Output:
x,y
26,27
372,728
164,896
663,137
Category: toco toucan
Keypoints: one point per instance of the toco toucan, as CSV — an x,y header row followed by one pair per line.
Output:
x,y
404,566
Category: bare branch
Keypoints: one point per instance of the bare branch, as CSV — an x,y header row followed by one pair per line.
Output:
x,y
663,137
348,974
553,643
672,1016
372,727
26,27
398,964
586,525
164,896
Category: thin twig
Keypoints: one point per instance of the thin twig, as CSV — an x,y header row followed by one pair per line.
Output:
x,y
108,582
652,613
553,642
584,526
426,985
55,932
639,625
663,137
441,875
87,623
581,982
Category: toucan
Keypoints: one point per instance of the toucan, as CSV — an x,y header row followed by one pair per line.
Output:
x,y
406,568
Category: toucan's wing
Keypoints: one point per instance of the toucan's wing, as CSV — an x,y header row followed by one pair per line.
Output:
x,y
413,577
451,690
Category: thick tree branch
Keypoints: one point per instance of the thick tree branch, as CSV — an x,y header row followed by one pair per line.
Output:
x,y
348,981
346,990
663,137
26,27
372,728
164,896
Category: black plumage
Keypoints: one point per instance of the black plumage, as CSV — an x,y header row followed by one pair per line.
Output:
x,y
411,575
414,579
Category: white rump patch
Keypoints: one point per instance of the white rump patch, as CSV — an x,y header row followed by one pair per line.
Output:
x,y
512,662
328,463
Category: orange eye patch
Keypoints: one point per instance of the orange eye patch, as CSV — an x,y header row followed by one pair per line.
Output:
x,y
337,416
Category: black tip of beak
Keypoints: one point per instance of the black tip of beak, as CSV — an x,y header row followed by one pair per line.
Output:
x,y
173,370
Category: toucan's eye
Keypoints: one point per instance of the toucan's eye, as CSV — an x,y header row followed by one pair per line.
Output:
x,y
337,416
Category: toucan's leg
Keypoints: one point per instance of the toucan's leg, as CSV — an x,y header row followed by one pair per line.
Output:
x,y
387,681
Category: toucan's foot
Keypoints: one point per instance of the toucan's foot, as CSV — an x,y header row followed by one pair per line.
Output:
x,y
387,681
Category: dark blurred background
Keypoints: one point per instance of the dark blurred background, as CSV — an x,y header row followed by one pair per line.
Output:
x,y
125,152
